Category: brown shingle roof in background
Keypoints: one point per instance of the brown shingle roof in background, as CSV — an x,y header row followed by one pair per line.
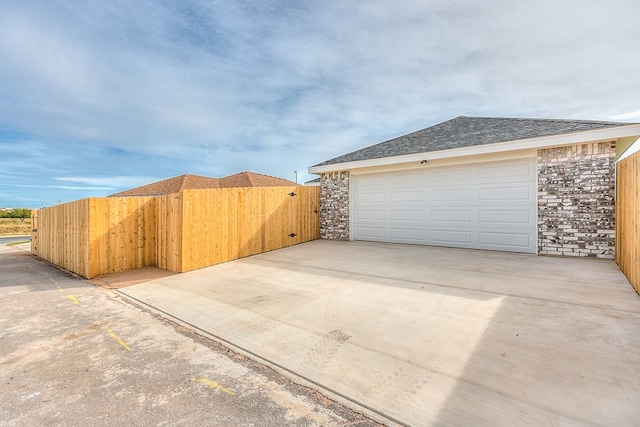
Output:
x,y
252,179
189,182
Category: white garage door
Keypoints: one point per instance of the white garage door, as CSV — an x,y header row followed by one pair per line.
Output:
x,y
481,205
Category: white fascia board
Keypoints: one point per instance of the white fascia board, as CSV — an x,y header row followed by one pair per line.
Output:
x,y
597,135
448,161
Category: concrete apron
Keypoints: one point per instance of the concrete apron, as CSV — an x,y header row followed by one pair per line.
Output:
x,y
423,335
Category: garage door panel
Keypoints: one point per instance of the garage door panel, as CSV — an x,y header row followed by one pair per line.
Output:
x,y
370,233
369,215
485,206
451,195
408,235
501,217
451,237
449,176
517,171
407,196
504,193
406,215
502,240
370,197
373,182
407,180
450,215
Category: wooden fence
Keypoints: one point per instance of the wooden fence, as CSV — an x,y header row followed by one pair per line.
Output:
x,y
628,218
61,235
178,232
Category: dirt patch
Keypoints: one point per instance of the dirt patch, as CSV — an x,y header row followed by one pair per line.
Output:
x,y
130,277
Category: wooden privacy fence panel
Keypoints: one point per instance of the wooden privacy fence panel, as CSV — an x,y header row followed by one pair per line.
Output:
x,y
97,236
628,218
223,224
122,233
60,235
178,232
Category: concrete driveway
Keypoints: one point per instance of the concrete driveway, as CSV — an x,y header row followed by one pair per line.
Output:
x,y
421,335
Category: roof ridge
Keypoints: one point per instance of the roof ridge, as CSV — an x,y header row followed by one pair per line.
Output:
x,y
183,181
544,119
264,174
249,177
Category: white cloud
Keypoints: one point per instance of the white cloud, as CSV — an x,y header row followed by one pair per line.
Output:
x,y
633,116
109,182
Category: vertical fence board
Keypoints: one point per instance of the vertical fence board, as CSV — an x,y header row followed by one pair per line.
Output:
x,y
628,218
34,232
161,237
219,234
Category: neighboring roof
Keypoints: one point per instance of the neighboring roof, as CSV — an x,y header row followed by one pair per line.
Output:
x,y
313,182
251,179
466,131
171,185
191,182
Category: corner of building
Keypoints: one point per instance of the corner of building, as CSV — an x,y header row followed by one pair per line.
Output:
x,y
576,200
334,205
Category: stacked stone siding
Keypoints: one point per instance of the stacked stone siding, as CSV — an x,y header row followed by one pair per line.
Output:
x,y
334,205
576,208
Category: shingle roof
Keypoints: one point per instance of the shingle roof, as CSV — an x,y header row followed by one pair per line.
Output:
x,y
466,131
189,182
252,179
313,181
171,185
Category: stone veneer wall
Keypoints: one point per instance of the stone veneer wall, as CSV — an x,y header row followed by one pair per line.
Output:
x,y
576,208
334,205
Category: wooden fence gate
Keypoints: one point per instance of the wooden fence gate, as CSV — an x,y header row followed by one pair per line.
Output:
x,y
223,224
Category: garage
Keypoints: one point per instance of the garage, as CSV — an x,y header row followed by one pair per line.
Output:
x,y
527,185
489,205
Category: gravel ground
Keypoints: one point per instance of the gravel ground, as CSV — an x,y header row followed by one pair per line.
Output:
x,y
75,354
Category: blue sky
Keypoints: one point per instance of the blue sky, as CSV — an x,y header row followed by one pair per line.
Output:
x,y
100,96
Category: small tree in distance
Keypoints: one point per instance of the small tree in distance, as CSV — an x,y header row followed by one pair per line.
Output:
x,y
21,213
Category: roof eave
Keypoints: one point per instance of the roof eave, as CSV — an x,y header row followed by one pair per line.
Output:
x,y
498,147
